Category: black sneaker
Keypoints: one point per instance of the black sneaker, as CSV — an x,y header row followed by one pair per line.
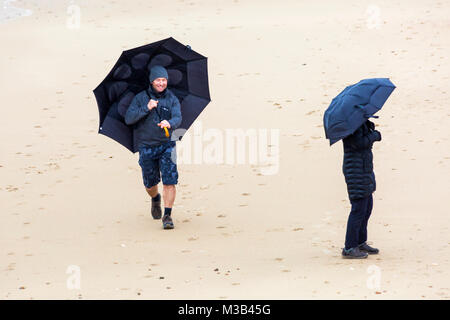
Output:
x,y
364,247
353,253
167,222
156,209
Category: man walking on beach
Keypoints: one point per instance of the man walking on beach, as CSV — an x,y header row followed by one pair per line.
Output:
x,y
360,179
154,111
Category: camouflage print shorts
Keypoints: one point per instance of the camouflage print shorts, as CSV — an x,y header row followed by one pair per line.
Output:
x,y
159,159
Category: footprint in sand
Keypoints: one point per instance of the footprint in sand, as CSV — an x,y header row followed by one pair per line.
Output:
x,y
11,267
304,143
11,188
279,106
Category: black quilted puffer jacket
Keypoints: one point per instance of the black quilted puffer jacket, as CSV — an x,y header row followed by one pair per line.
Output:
x,y
358,161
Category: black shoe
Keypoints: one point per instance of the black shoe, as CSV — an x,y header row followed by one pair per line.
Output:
x,y
156,209
364,247
353,253
167,222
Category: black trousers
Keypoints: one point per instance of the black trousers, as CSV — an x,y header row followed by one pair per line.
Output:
x,y
357,222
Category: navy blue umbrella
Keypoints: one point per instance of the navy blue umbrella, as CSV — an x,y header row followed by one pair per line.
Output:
x,y
354,105
188,80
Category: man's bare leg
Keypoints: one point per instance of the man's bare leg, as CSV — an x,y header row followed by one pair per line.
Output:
x,y
169,193
153,191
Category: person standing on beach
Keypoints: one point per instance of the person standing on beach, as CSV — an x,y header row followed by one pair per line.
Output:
x,y
152,111
360,179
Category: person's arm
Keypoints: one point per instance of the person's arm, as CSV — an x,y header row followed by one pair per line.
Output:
x,y
373,135
175,121
360,141
136,111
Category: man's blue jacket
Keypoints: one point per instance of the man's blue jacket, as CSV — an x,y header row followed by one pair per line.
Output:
x,y
146,129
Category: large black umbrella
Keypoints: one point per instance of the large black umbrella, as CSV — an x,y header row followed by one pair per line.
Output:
x,y
188,80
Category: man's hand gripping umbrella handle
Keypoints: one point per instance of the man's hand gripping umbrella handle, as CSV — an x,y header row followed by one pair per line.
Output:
x,y
166,132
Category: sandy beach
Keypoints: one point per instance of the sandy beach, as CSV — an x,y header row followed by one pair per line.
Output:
x,y
75,220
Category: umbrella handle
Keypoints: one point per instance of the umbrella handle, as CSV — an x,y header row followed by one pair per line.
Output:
x,y
166,132
367,116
